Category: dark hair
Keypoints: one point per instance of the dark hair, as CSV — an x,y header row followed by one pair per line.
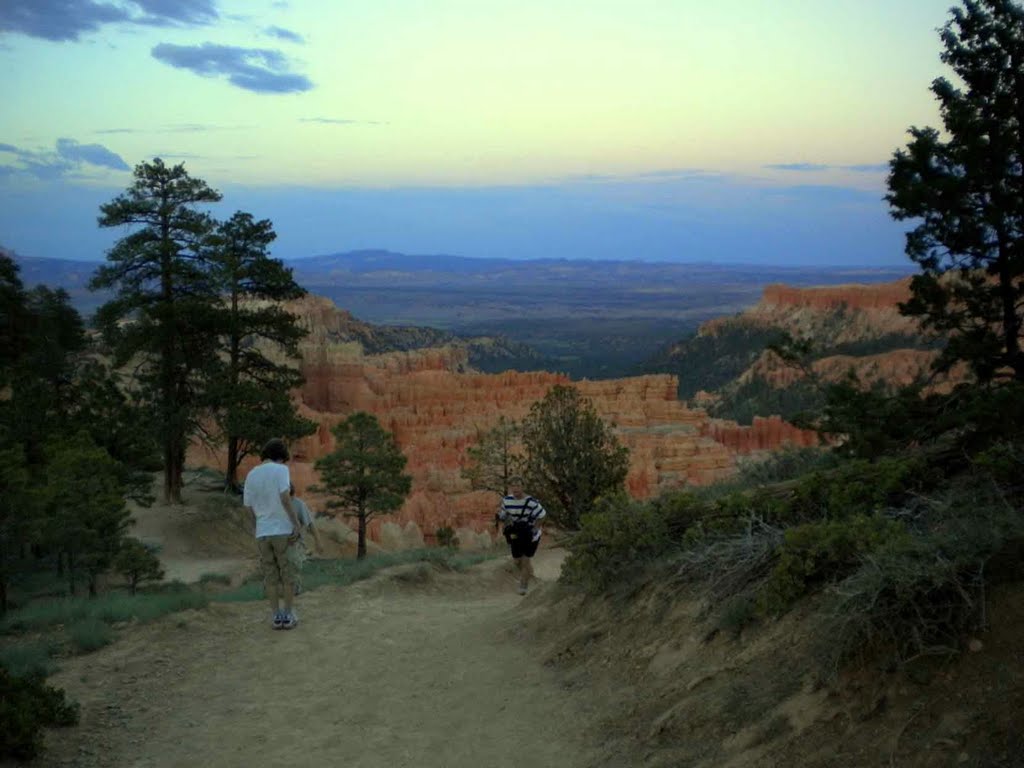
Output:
x,y
275,450
515,480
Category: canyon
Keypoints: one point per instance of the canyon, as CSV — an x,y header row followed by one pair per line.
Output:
x,y
437,406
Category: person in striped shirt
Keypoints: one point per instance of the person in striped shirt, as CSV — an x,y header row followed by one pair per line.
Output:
x,y
522,515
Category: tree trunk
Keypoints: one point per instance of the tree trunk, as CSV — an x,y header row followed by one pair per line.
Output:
x,y
71,573
3,596
92,585
174,464
231,476
1011,323
361,549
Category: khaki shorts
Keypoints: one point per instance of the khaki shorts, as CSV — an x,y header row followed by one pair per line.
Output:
x,y
277,566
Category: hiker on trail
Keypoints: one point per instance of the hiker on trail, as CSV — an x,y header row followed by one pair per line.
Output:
x,y
299,552
521,515
267,496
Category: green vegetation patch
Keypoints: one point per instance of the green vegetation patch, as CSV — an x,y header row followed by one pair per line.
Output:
x,y
27,705
110,608
90,634
29,657
340,573
709,362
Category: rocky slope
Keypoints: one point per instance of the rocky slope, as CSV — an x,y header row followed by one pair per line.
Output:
x,y
854,329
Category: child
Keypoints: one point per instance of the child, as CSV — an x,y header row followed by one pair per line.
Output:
x,y
299,552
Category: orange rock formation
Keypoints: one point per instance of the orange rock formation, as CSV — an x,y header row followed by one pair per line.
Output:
x,y
437,407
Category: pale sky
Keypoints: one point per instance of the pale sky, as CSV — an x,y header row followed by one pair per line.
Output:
x,y
750,130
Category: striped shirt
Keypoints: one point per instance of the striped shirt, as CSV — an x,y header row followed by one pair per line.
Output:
x,y
527,509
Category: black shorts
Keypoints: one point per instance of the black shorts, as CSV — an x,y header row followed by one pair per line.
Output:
x,y
521,543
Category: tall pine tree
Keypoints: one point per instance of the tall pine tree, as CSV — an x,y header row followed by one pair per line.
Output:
x,y
964,189
163,317
572,456
363,474
250,391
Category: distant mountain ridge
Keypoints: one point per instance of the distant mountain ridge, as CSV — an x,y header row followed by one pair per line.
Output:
x,y
586,318
367,264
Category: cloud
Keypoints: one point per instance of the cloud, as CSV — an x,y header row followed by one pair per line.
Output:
x,y
180,11
284,34
338,121
179,128
69,157
93,154
868,168
798,167
68,20
860,168
254,69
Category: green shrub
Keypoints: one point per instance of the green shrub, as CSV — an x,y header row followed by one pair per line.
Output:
x,y
738,613
727,565
26,658
111,608
90,634
858,487
919,595
137,563
615,539
787,464
27,705
1004,461
215,578
826,551
446,537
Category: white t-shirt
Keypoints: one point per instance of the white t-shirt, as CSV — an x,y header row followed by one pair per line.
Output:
x,y
263,488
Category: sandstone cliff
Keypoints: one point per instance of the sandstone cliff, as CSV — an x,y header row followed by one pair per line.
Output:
x,y
852,329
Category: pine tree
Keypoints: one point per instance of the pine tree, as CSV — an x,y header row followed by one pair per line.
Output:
x,y
572,456
87,515
43,386
250,392
18,513
137,563
497,457
964,189
163,315
13,314
363,475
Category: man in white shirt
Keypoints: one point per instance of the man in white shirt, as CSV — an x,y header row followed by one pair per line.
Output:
x,y
266,496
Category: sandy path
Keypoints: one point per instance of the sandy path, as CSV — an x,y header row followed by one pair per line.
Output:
x,y
397,671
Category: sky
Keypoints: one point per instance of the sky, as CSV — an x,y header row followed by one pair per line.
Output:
x,y
751,131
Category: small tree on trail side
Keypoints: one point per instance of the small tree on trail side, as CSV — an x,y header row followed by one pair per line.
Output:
x,y
249,392
87,517
137,563
572,456
364,474
18,513
496,458
163,315
966,194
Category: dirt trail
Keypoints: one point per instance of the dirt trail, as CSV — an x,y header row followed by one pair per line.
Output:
x,y
412,668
